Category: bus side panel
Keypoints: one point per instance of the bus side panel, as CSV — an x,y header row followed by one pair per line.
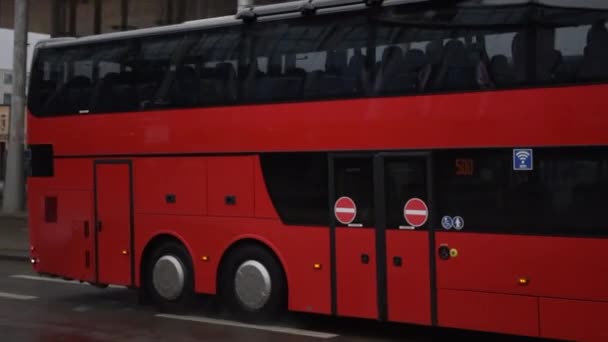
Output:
x,y
482,119
573,268
61,220
488,312
69,174
175,186
231,186
72,174
485,268
62,233
573,320
299,248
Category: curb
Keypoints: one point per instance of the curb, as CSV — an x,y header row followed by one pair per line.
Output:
x,y
15,216
19,258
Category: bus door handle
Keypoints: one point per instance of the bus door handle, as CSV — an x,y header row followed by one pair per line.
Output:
x,y
364,259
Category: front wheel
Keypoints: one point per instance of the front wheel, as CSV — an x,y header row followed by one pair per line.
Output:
x,y
253,283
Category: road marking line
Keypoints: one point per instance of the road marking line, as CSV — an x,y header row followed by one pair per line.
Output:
x,y
290,331
16,296
57,280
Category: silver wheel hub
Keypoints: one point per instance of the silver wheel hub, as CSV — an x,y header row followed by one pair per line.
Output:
x,y
252,285
168,277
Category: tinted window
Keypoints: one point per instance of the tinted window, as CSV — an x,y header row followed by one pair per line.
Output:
x,y
583,52
565,193
41,163
81,80
396,50
207,71
114,79
354,179
405,180
155,69
476,48
297,184
308,58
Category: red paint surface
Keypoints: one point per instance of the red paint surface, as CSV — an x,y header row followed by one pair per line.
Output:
x,y
356,281
69,174
185,178
409,288
231,176
574,320
488,312
479,289
554,266
114,213
564,116
62,246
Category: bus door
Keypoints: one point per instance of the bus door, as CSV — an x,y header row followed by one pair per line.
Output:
x,y
351,194
113,222
405,217
380,236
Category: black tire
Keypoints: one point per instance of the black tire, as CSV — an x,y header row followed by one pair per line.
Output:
x,y
179,252
276,303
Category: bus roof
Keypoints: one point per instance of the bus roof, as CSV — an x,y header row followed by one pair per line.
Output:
x,y
295,8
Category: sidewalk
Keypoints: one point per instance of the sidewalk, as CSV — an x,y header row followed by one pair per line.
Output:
x,y
14,239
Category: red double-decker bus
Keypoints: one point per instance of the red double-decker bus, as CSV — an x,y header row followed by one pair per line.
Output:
x,y
424,162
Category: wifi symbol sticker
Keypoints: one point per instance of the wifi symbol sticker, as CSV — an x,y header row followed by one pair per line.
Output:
x,y
523,159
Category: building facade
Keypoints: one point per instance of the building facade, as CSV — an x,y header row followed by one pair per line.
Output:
x,y
6,87
4,127
86,17
6,92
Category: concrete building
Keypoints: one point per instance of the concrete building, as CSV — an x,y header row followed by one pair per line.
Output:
x,y
6,91
4,123
6,86
85,17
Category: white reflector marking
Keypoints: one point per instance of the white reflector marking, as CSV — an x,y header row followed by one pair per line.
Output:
x,y
57,280
345,210
289,331
16,296
415,212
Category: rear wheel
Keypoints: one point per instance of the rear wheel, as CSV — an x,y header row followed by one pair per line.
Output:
x,y
253,283
169,274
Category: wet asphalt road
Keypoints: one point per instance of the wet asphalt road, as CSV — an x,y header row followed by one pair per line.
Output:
x,y
32,309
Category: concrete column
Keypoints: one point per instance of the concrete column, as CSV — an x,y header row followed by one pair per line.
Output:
x,y
14,189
